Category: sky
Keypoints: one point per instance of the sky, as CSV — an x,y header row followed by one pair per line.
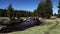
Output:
x,y
29,5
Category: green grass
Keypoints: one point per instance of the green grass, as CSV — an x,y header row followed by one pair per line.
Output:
x,y
41,29
56,30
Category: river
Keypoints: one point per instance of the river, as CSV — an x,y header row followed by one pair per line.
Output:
x,y
28,23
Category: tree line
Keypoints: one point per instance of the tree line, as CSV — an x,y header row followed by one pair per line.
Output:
x,y
10,12
44,10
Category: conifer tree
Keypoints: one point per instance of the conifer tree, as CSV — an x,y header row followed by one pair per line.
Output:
x,y
59,9
10,12
48,8
40,9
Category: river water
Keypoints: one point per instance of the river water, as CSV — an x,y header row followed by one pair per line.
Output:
x,y
27,24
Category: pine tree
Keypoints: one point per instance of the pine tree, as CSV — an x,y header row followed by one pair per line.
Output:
x,y
10,12
59,9
44,9
48,8
40,9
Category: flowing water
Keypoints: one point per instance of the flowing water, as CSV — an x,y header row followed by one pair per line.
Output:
x,y
27,24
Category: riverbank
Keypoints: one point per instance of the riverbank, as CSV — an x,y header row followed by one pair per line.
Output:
x,y
42,29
